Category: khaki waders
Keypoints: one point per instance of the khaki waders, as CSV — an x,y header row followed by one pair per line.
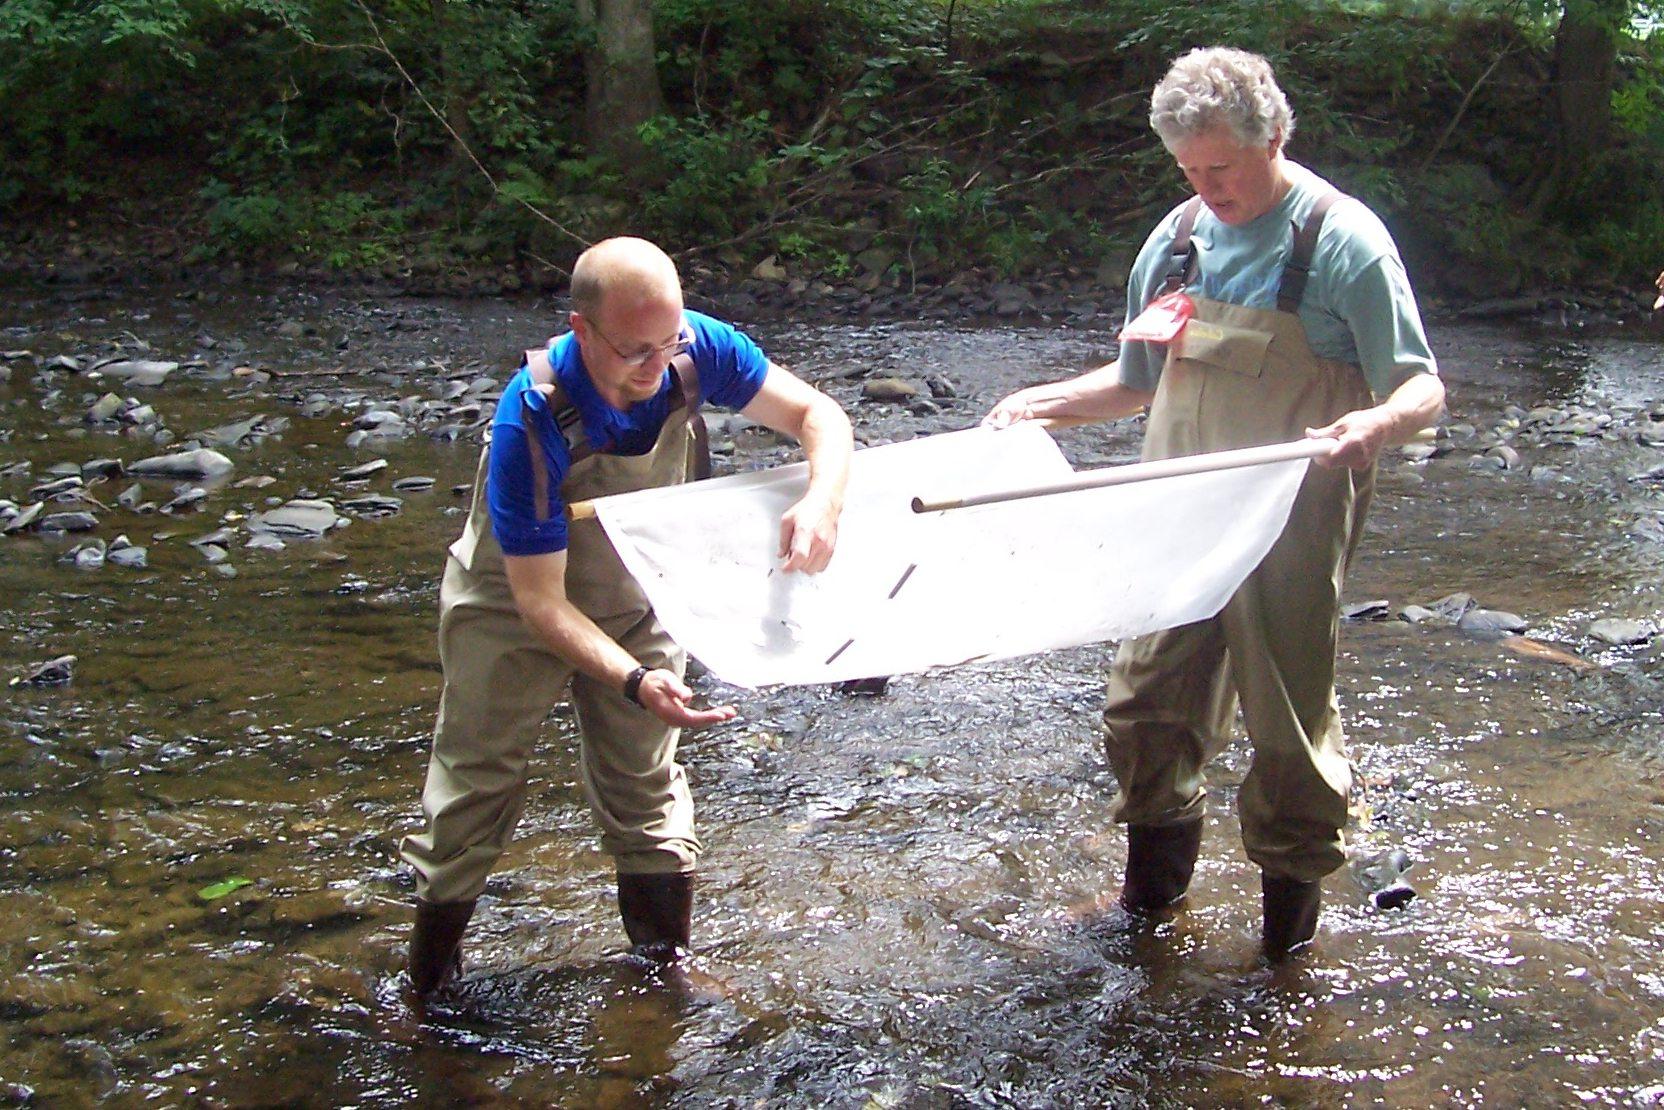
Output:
x,y
501,681
1243,377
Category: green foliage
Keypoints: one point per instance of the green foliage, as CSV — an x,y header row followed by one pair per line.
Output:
x,y
712,175
345,230
1011,138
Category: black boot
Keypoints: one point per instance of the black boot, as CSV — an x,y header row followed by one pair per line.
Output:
x,y
436,944
1290,913
658,914
1160,860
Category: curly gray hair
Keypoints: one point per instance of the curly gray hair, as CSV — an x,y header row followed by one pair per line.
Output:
x,y
1217,87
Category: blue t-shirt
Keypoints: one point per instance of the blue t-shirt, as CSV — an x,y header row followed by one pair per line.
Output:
x,y
731,371
1358,307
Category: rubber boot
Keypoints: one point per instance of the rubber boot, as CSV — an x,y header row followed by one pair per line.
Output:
x,y
1291,908
658,914
1160,861
436,944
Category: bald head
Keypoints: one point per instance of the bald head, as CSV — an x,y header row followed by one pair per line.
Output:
x,y
623,273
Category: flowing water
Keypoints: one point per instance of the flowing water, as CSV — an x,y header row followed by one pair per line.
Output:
x,y
904,900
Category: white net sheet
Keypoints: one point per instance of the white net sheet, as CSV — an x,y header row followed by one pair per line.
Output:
x,y
908,591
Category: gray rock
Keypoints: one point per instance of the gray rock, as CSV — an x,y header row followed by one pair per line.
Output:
x,y
372,505
1382,877
889,389
1492,622
47,491
137,371
213,552
1620,632
129,556
1506,455
25,518
1415,614
90,556
298,519
139,415
365,470
1452,606
377,419
1418,452
68,522
315,406
220,537
941,387
201,463
102,468
1375,610
53,672
265,541
104,409
414,484
130,497
191,497
230,435
1011,300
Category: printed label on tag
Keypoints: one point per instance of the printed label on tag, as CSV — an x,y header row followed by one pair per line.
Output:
x,y
1162,319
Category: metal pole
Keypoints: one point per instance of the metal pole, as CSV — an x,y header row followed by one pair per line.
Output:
x,y
1141,472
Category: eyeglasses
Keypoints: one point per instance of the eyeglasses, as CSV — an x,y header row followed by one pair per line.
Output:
x,y
680,345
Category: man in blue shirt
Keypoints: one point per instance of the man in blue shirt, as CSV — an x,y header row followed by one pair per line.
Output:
x,y
1283,311
534,607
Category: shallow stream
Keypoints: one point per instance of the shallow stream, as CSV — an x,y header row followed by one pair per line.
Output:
x,y
903,903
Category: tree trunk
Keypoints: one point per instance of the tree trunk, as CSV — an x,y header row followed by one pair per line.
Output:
x,y
1585,69
622,73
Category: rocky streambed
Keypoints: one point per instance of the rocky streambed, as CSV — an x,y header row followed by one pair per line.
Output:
x,y
223,517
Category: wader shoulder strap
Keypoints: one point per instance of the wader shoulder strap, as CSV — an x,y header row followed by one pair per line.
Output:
x,y
1292,290
687,384
544,383
1181,264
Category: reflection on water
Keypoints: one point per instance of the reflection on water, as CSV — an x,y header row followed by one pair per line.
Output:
x,y
903,900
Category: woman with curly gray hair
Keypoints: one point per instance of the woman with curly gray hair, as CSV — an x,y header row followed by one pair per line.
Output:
x,y
1265,308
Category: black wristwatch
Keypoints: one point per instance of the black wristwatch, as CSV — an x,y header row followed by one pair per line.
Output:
x,y
632,684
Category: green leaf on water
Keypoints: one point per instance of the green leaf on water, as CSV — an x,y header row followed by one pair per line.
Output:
x,y
222,888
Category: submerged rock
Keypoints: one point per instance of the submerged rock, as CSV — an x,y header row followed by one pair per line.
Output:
x,y
300,519
230,435
193,496
372,505
53,672
1382,877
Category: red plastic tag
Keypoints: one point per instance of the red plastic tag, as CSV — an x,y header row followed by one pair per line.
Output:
x,y
1162,319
